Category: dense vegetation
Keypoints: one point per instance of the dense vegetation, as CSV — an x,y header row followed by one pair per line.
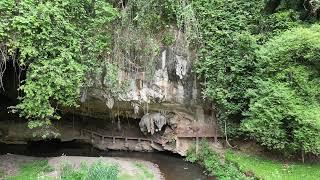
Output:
x,y
214,165
240,165
58,42
284,107
258,60
259,63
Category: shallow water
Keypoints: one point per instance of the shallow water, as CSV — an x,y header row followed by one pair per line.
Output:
x,y
172,167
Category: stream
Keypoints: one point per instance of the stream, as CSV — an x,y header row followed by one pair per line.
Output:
x,y
172,166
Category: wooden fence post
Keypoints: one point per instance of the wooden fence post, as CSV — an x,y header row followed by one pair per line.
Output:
x,y
215,135
91,137
197,144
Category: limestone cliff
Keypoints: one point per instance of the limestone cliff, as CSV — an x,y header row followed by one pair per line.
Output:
x,y
168,105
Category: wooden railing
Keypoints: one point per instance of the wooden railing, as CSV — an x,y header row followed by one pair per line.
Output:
x,y
92,134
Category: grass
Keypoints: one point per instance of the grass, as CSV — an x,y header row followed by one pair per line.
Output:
x,y
144,172
37,170
2,173
270,169
96,171
214,164
101,171
71,173
126,176
32,171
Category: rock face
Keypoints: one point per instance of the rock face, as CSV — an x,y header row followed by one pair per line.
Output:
x,y
165,104
171,87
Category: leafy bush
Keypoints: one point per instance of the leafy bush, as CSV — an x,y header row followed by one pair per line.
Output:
x,y
68,172
168,39
284,107
144,173
97,171
213,163
256,71
100,171
32,171
231,32
56,41
191,155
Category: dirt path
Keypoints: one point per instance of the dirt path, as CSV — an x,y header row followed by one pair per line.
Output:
x,y
9,164
127,166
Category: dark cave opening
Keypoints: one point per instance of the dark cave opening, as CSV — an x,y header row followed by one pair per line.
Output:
x,y
109,126
9,93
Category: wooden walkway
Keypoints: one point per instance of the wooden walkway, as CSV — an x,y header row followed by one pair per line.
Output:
x,y
92,135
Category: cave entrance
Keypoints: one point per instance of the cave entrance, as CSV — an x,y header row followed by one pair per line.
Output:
x,y
114,133
11,78
119,126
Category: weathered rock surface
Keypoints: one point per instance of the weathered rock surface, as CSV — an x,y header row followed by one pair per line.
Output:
x,y
167,105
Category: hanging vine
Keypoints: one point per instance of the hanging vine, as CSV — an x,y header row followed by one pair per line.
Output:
x,y
144,26
57,41
62,43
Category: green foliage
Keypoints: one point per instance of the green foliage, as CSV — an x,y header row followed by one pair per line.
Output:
x,y
267,169
68,172
2,174
145,25
100,171
191,155
228,50
144,171
230,31
284,107
57,41
168,39
213,163
254,71
270,25
61,43
97,171
252,68
32,171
